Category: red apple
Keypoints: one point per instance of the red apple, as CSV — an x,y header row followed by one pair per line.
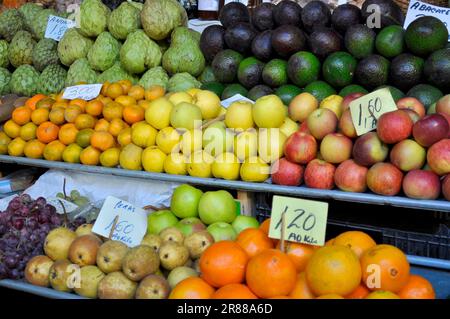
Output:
x,y
369,149
447,117
322,122
421,184
300,148
336,141
411,103
395,126
349,98
443,105
384,179
438,157
430,129
412,115
346,126
446,187
351,177
304,128
286,173
319,174
408,155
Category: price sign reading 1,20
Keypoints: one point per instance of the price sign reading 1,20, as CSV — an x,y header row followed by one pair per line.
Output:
x,y
305,221
366,110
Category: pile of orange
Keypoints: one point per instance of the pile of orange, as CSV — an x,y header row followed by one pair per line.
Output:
x,y
78,131
351,266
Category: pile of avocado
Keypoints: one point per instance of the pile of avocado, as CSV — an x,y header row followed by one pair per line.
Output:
x,y
286,49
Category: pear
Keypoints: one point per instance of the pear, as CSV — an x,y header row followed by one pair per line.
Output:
x,y
83,250
158,113
217,139
110,256
37,271
180,273
197,243
153,287
116,286
191,141
90,278
199,164
57,243
139,262
85,229
172,234
59,275
130,157
173,255
186,115
239,115
269,112
153,241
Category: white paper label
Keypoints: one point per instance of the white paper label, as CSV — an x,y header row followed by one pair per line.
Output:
x,y
5,187
208,5
56,202
419,9
226,103
85,92
56,27
131,224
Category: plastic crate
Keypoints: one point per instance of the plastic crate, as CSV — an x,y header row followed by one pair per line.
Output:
x,y
416,232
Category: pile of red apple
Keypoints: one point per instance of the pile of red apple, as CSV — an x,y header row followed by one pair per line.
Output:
x,y
409,151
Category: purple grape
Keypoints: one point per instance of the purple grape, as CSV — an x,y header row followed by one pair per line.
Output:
x,y
15,204
3,229
10,262
55,220
51,209
45,228
32,224
41,201
25,198
14,274
43,219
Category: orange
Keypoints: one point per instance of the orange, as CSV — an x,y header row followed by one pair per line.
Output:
x,y
84,137
145,104
21,115
45,103
234,291
11,128
59,97
34,149
71,113
154,92
105,100
116,126
137,91
333,270
382,294
67,133
417,287
94,107
360,292
71,153
265,225
53,151
16,147
102,125
192,288
104,88
126,100
329,242
124,137
60,104
56,116
253,241
330,296
126,85
4,141
28,131
84,121
112,110
357,241
223,263
47,132
133,114
79,102
102,140
114,90
40,116
301,289
110,157
298,253
32,101
384,267
271,273
90,156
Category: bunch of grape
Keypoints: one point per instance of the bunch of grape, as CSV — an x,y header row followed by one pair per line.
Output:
x,y
23,228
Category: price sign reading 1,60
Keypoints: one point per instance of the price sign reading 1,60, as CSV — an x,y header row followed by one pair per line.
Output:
x,y
373,107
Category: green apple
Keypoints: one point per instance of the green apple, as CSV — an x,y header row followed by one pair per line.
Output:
x,y
243,222
160,220
218,206
222,231
190,225
185,200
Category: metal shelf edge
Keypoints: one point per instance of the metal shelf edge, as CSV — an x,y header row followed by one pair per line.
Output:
x,y
36,290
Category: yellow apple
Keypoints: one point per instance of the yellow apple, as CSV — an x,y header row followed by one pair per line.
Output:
x,y
158,113
168,140
153,159
226,166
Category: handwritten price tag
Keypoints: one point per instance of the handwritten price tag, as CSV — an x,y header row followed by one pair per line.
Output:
x,y
131,225
85,92
305,220
366,110
417,9
56,27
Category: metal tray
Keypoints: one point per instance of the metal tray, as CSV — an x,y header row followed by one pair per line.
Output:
x,y
301,191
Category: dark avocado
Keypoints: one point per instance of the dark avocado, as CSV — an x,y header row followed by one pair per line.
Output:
x,y
390,12
250,72
225,65
324,41
288,39
437,69
233,13
262,17
258,91
212,41
288,12
239,37
344,16
372,71
262,45
406,71
315,14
